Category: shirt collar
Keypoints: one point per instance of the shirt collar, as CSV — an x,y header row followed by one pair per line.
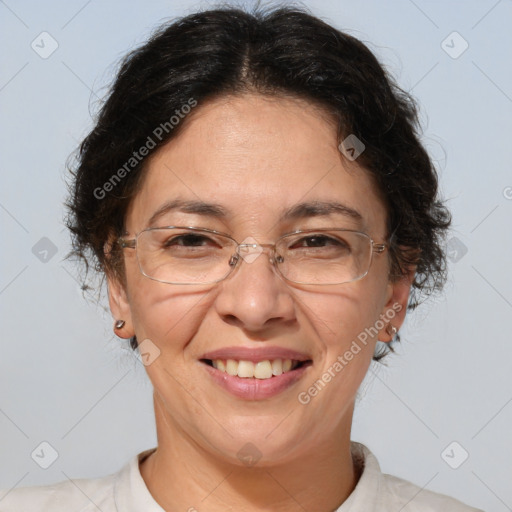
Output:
x,y
130,491
368,488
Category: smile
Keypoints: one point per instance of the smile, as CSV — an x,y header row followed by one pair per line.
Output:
x,y
265,369
250,380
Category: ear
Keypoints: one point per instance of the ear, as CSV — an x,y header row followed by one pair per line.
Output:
x,y
120,306
393,313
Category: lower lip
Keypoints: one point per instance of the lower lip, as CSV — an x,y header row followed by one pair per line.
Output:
x,y
255,389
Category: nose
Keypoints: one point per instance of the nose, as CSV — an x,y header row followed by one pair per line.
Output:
x,y
254,297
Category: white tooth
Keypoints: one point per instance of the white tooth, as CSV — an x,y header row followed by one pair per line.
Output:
x,y
245,369
231,367
277,367
263,370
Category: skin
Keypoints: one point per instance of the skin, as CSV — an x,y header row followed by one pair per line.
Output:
x,y
255,156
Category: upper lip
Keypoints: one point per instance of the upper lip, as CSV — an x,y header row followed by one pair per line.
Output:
x,y
255,354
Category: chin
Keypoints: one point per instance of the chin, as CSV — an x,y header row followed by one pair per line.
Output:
x,y
258,441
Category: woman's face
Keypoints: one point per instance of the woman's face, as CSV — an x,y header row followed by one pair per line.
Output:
x,y
257,158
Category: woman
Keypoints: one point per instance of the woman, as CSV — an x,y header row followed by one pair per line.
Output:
x,y
255,192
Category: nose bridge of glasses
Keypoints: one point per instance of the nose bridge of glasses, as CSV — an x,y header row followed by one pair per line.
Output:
x,y
250,249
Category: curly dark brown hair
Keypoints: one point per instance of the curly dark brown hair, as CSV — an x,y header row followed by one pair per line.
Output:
x,y
278,51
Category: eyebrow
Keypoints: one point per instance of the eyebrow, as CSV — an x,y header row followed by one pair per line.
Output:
x,y
320,209
299,211
193,207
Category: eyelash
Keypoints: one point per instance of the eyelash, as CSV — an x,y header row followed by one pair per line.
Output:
x,y
203,238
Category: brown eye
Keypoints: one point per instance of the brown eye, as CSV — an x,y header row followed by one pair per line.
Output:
x,y
188,240
319,241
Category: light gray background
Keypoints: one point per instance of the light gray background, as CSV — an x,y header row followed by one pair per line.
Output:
x,y
66,380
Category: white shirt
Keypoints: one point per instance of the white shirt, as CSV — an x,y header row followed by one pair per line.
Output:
x,y
126,491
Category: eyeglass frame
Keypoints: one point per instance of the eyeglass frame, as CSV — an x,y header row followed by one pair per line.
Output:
x,y
131,243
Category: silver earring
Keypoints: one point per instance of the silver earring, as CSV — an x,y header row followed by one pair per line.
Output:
x,y
391,330
119,324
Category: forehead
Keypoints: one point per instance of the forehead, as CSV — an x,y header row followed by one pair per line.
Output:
x,y
256,157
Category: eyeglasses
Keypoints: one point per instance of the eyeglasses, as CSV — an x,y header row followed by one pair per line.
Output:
x,y
189,255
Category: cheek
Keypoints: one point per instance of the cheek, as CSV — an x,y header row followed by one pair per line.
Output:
x,y
339,316
168,315
342,322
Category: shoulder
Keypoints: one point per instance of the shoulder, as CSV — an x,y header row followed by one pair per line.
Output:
x,y
377,491
84,495
123,490
416,499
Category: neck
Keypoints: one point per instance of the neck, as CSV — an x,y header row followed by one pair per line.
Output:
x,y
181,475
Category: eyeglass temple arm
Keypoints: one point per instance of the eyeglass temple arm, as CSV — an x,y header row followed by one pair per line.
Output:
x,y
378,248
124,243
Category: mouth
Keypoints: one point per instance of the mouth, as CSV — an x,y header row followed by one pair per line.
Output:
x,y
256,373
258,379
262,370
